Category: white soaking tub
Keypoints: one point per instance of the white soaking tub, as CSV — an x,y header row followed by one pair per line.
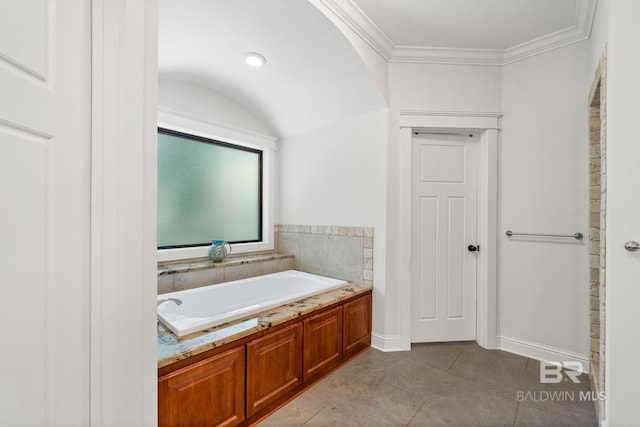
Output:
x,y
213,305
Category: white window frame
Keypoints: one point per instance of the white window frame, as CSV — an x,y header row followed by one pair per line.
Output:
x,y
266,144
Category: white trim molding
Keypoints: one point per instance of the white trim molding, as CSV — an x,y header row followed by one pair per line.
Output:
x,y
442,55
172,117
388,343
579,31
443,120
487,124
361,25
349,13
543,353
123,213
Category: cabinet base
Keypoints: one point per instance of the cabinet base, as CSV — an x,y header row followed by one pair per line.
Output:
x,y
260,416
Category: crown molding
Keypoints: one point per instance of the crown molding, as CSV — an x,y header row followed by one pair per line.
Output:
x,y
441,55
580,31
361,25
350,14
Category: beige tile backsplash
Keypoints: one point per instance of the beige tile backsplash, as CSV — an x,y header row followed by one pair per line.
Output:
x,y
343,252
336,251
178,277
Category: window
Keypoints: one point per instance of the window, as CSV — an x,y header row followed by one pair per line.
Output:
x,y
207,189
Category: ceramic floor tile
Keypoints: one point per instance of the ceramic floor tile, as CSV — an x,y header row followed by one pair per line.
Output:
x,y
498,371
383,404
465,408
297,412
541,415
337,388
440,356
362,364
443,384
332,415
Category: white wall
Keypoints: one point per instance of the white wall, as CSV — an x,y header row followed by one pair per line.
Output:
x,y
599,34
623,205
543,299
544,283
426,87
336,175
436,87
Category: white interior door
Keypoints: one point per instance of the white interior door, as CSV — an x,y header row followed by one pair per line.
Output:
x,y
444,226
44,216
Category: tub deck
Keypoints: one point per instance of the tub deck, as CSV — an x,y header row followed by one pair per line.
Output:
x,y
172,348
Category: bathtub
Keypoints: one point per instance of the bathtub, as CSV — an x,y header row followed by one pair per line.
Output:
x,y
213,305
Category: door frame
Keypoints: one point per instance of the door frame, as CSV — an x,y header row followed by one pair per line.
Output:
x,y
123,331
487,125
436,328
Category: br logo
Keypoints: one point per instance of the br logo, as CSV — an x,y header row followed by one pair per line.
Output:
x,y
556,372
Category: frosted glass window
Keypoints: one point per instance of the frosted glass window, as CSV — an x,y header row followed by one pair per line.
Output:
x,y
207,190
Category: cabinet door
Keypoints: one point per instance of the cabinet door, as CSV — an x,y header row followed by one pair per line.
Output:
x,y
322,343
357,325
274,367
207,393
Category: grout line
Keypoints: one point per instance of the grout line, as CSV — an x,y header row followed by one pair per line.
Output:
x,y
312,416
515,417
529,360
424,402
454,361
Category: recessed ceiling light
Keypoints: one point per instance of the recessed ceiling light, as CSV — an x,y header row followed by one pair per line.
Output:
x,y
254,59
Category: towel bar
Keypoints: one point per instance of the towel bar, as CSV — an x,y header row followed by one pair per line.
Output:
x,y
577,236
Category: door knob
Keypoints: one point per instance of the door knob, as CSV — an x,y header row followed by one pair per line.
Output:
x,y
473,248
632,245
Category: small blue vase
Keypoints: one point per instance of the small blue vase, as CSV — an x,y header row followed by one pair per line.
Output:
x,y
218,250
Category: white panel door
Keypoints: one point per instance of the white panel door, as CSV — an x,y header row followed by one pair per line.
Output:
x,y
44,215
443,226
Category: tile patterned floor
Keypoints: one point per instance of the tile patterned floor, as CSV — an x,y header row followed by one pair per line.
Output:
x,y
447,384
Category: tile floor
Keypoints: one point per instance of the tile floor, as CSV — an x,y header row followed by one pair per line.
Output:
x,y
448,384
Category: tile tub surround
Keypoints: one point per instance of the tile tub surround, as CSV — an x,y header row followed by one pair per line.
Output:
x,y
172,349
197,272
342,252
597,224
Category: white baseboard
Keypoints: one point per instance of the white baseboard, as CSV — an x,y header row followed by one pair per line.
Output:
x,y
389,343
541,352
524,348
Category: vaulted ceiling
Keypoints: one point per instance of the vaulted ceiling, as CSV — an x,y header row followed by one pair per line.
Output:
x,y
314,76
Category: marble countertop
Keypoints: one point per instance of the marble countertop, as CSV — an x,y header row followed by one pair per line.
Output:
x,y
171,348
197,264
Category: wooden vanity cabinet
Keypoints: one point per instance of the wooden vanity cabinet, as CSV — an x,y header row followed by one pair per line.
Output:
x,y
322,343
241,383
356,334
274,367
207,393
